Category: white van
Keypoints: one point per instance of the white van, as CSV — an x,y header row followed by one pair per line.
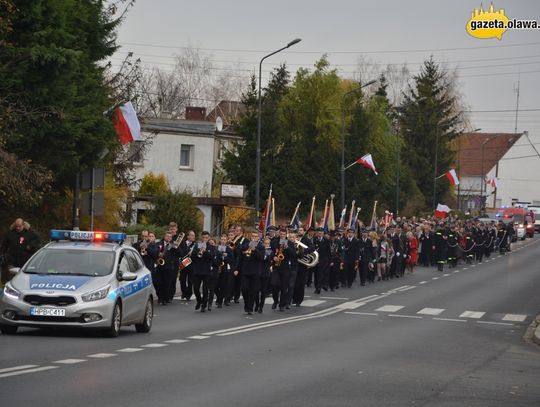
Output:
x,y
536,210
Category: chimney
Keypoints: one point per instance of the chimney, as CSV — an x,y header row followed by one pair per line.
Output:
x,y
195,113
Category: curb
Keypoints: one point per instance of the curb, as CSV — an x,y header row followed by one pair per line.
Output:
x,y
533,331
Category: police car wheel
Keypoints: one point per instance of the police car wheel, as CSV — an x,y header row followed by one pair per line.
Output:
x,y
116,322
8,329
145,326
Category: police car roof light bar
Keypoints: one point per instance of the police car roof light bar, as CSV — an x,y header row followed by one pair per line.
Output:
x,y
81,235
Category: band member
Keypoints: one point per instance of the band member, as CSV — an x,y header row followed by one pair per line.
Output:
x,y
366,256
491,236
202,258
322,245
336,260
452,241
266,272
167,268
240,245
284,250
148,250
226,265
480,238
249,268
440,247
302,272
293,266
350,256
310,238
213,275
186,271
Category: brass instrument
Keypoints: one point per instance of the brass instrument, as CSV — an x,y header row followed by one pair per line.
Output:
x,y
179,239
201,250
144,246
280,257
310,259
161,257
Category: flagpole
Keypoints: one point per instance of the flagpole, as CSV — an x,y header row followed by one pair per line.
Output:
x,y
349,166
295,213
324,212
273,218
351,214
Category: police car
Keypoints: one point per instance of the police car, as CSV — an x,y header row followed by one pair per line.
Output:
x,y
80,279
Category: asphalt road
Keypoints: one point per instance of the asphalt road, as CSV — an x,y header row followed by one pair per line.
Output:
x,y
429,339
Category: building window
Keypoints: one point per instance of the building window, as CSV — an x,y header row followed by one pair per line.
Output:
x,y
186,156
135,152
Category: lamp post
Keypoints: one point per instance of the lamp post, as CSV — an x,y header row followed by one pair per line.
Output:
x,y
343,137
459,167
258,151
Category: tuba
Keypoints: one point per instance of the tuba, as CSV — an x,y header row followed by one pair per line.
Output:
x,y
310,259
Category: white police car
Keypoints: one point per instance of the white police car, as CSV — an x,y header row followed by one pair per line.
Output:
x,y
80,279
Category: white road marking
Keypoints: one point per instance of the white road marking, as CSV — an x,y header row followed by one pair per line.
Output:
x,y
390,308
456,271
400,288
515,317
129,350
446,275
474,265
198,337
351,305
334,298
11,369
102,355
405,316
450,319
312,303
422,282
408,288
435,278
465,268
472,314
361,313
177,341
431,311
37,369
154,345
494,323
70,361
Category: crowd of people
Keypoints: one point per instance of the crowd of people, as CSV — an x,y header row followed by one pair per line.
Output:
x,y
281,264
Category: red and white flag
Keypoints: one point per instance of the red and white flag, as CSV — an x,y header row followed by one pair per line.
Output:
x,y
367,161
452,177
442,211
493,182
127,124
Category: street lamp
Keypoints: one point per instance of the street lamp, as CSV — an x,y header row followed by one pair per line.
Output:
x,y
343,137
482,180
258,151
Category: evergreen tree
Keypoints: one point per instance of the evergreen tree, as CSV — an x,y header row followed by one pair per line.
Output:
x,y
428,121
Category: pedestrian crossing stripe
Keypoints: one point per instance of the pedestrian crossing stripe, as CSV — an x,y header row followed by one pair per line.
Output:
x,y
312,303
390,308
514,317
431,311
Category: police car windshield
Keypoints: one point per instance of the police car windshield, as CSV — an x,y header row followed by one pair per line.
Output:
x,y
71,262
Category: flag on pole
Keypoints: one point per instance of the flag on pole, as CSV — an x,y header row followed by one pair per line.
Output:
x,y
452,177
342,218
331,220
309,220
325,213
493,182
295,221
442,211
351,215
367,161
266,216
355,219
126,123
388,217
273,214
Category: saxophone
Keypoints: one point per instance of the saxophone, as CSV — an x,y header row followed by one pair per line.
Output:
x,y
280,257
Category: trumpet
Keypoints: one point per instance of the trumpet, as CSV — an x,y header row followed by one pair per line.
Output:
x,y
143,246
161,257
201,250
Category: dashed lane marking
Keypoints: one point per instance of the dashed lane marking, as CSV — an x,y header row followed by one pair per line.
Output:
x,y
446,275
70,361
177,341
312,303
334,298
515,317
390,308
37,369
435,278
198,337
102,355
422,282
456,271
361,313
431,311
405,316
472,314
154,345
494,323
129,350
22,367
450,319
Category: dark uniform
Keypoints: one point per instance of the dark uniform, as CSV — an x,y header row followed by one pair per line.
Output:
x,y
249,266
453,243
240,245
350,259
165,274
202,261
366,256
469,246
266,273
479,240
322,245
301,274
441,248
149,252
186,272
19,246
426,243
280,275
226,264
336,260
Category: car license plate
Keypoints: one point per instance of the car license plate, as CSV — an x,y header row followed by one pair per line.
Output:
x,y
48,312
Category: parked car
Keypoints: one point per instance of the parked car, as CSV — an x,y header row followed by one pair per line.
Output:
x,y
536,211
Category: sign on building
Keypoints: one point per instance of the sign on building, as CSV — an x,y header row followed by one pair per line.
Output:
x,y
232,191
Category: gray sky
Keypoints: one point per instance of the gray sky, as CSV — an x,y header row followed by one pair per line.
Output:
x,y
237,33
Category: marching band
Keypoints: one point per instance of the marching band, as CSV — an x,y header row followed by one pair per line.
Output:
x,y
285,261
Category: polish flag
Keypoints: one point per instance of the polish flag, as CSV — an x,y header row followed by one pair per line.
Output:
x,y
127,124
493,182
442,211
367,161
452,177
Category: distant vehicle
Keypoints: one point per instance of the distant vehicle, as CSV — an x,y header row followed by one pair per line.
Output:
x,y
81,279
536,210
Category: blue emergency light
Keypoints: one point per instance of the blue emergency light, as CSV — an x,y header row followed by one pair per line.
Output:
x,y
89,236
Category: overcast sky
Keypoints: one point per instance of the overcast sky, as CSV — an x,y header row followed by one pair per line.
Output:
x,y
239,32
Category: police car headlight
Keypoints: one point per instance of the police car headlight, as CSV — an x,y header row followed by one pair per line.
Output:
x,y
96,295
11,292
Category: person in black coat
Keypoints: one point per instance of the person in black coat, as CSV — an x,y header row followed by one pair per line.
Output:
x,y
366,257
284,251
266,273
336,260
149,250
350,256
226,264
441,247
398,248
166,270
186,271
426,241
301,276
19,244
249,267
322,245
202,258
240,245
